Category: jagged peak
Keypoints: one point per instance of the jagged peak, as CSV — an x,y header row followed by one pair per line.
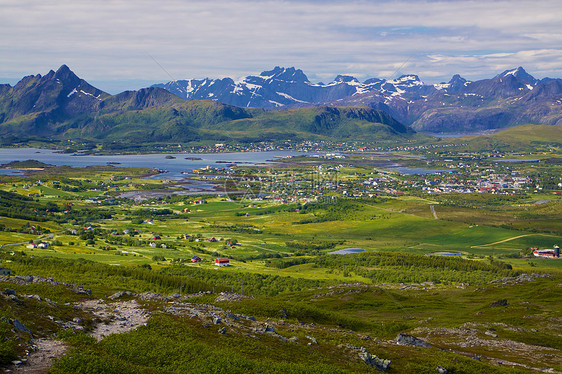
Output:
x,y
408,78
457,79
64,69
520,74
288,74
345,79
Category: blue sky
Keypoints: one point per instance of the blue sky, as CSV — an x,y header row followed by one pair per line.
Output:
x,y
115,44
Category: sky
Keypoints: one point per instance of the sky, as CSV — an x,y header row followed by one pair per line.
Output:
x,y
118,45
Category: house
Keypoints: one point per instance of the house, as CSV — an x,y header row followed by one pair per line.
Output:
x,y
31,245
213,240
156,237
42,245
163,246
152,244
548,253
195,259
4,271
222,261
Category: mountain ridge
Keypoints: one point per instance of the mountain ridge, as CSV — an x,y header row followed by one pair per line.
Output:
x,y
458,105
61,106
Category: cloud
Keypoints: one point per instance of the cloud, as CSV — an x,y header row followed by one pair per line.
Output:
x,y
112,40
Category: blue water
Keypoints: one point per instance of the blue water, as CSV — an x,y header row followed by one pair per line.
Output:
x,y
174,167
347,251
514,160
448,253
418,171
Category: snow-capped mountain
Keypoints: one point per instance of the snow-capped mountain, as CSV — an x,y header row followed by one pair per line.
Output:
x,y
289,86
512,97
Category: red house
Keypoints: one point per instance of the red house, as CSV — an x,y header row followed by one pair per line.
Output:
x,y
222,261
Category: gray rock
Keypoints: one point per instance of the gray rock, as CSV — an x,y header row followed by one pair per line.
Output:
x,y
312,340
216,320
405,339
77,320
374,361
120,294
231,316
81,290
502,302
252,318
441,369
20,327
222,330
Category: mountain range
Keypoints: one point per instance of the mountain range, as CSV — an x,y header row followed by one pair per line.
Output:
x,y
60,106
511,98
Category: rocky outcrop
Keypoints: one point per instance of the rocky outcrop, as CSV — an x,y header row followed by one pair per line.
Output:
x,y
31,279
405,339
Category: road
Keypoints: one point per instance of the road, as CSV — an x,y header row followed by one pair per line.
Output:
x,y
23,243
432,207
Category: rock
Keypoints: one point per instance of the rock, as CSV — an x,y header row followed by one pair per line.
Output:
x,y
20,327
502,302
231,316
283,313
222,330
405,339
15,299
374,361
441,369
81,290
120,294
312,340
150,296
17,363
293,339
216,320
77,320
252,318
231,296
269,328
9,292
490,333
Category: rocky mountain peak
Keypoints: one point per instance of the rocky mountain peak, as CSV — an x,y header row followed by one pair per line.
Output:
x,y
285,74
520,74
345,79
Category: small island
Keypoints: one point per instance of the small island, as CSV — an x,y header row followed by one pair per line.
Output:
x,y
27,164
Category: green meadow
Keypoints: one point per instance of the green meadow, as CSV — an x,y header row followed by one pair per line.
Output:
x,y
279,255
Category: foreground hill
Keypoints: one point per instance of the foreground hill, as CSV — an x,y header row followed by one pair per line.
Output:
x,y
61,106
511,98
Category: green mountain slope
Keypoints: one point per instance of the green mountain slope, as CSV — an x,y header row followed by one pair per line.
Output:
x,y
60,106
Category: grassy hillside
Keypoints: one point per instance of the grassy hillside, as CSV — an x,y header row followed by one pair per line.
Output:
x,y
526,137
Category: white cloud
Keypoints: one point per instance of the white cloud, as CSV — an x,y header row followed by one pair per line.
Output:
x,y
114,39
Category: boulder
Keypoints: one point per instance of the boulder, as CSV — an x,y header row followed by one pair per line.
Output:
x,y
502,302
405,339
374,361
20,327
120,294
